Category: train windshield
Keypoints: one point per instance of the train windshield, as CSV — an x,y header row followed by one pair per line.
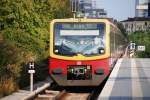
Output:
x,y
87,39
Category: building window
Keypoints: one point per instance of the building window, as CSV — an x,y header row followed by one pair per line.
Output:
x,y
142,13
126,25
143,2
146,24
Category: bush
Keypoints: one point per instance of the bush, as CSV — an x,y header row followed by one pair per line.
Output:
x,y
141,38
7,86
10,67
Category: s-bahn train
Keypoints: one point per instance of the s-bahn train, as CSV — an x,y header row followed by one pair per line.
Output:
x,y
83,51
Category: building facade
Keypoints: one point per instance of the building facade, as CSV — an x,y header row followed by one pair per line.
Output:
x,y
142,8
85,4
87,8
141,21
95,13
136,24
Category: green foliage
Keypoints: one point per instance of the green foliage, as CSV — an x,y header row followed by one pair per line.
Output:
x,y
122,29
24,25
26,21
10,66
141,38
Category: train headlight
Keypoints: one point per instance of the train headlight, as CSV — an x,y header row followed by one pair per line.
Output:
x,y
101,51
56,51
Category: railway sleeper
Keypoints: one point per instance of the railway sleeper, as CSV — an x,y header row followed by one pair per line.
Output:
x,y
52,92
47,97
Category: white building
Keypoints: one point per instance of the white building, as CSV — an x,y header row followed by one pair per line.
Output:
x,y
136,24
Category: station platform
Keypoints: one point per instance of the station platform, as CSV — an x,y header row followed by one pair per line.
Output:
x,y
129,80
20,94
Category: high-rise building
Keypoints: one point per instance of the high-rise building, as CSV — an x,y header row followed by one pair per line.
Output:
x,y
142,8
88,9
85,4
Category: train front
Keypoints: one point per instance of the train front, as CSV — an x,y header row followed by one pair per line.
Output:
x,y
79,51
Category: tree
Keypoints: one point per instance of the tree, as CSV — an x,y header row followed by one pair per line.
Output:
x,y
24,26
122,29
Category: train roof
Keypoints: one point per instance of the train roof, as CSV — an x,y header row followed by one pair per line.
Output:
x,y
76,19
111,21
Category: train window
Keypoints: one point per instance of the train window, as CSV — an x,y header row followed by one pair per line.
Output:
x,y
71,39
79,32
78,26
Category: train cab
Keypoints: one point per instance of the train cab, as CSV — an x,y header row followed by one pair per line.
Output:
x,y
80,51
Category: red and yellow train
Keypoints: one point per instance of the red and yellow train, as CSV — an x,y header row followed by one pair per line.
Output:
x,y
83,51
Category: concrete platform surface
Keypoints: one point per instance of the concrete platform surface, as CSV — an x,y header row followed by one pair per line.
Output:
x,y
19,95
129,80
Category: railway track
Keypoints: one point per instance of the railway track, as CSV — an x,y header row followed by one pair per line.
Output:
x,y
46,92
62,95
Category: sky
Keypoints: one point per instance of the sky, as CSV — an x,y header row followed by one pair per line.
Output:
x,y
118,9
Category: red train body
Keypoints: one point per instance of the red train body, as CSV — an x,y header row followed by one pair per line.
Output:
x,y
61,77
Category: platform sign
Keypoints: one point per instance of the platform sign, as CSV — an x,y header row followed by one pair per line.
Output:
x,y
132,46
31,67
141,48
31,71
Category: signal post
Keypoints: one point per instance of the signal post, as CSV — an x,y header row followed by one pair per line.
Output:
x,y
31,71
